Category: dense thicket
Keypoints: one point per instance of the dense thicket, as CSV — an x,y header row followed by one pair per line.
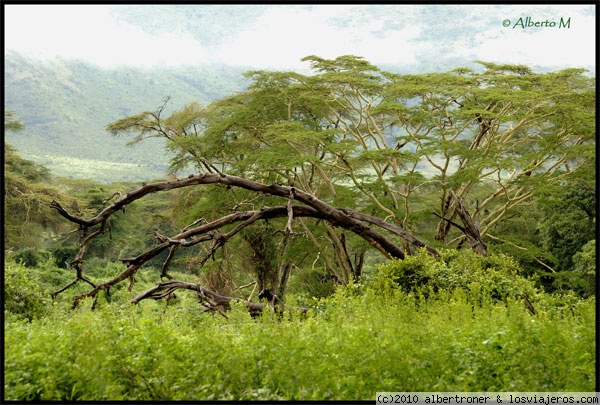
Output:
x,y
367,337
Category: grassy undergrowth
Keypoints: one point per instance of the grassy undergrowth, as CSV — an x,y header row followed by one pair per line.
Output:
x,y
350,346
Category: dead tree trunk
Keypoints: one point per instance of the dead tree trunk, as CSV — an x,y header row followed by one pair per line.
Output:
x,y
470,228
360,224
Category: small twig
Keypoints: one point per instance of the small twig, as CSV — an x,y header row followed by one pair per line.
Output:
x,y
449,221
195,223
246,285
107,199
528,304
172,252
288,226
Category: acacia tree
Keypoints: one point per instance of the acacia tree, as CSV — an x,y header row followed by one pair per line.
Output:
x,y
515,130
353,135
27,218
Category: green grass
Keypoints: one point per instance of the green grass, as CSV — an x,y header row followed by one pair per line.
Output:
x,y
100,170
349,347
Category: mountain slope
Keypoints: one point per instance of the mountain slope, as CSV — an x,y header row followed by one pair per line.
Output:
x,y
65,106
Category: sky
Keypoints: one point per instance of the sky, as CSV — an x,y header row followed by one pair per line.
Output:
x,y
279,36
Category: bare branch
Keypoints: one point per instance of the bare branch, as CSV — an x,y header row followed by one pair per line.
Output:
x,y
332,214
341,217
212,300
288,226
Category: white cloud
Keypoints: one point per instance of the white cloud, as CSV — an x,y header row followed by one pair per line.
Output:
x,y
543,46
89,32
284,34
397,47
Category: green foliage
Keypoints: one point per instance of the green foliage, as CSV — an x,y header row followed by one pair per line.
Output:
x,y
367,337
582,279
63,255
585,260
493,277
569,220
27,169
317,283
31,257
29,222
350,346
11,123
24,294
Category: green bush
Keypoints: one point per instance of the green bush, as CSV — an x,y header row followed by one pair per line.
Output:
x,y
582,279
368,337
483,278
64,255
30,257
356,343
24,296
312,282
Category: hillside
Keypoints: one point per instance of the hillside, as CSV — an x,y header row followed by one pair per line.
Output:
x,y
65,106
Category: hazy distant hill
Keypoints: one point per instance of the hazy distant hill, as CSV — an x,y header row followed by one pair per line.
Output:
x,y
65,106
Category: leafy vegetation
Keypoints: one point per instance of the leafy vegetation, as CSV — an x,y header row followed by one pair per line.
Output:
x,y
494,277
361,340
28,219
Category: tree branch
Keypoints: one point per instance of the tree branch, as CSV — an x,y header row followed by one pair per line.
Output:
x,y
342,217
214,301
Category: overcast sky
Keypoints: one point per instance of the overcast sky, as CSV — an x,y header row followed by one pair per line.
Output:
x,y
279,36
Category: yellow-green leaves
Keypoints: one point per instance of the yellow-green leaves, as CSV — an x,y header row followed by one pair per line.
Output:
x,y
503,127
